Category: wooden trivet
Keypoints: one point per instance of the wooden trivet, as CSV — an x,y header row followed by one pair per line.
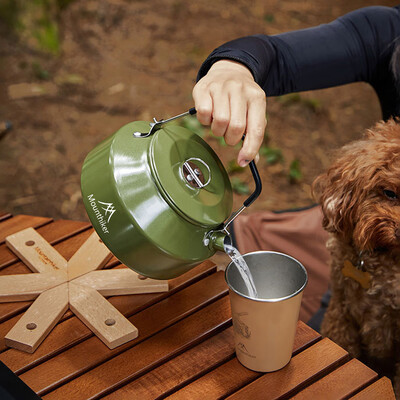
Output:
x,y
58,285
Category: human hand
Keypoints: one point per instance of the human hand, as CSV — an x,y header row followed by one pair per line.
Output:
x,y
229,100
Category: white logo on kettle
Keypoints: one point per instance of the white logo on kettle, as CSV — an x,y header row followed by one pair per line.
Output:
x,y
109,211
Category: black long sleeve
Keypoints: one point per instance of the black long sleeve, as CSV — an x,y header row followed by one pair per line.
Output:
x,y
355,47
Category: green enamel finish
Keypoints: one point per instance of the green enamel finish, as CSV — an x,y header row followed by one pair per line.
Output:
x,y
133,217
209,206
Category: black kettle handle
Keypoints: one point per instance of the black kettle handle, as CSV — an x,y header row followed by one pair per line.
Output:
x,y
257,181
254,172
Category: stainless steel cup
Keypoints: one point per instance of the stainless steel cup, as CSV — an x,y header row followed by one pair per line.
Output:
x,y
265,327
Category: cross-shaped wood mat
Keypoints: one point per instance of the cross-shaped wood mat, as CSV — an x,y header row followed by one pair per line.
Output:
x,y
57,284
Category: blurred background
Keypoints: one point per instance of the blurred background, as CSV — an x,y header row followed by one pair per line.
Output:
x,y
72,72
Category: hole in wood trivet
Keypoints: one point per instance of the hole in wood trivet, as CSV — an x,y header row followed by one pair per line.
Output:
x,y
110,322
30,243
100,241
142,278
31,326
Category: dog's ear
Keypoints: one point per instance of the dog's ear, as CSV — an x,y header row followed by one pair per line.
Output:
x,y
338,192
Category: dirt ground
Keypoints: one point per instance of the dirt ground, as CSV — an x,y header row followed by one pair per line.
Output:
x,y
122,61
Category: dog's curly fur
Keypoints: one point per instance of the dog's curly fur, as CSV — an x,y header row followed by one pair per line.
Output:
x,y
360,199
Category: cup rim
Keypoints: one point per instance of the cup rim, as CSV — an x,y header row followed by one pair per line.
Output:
x,y
273,300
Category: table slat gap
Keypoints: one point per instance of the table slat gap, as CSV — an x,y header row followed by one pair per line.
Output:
x,y
71,234
380,389
186,280
246,390
186,303
5,216
25,221
354,375
48,236
186,368
171,356
205,323
232,378
13,309
365,387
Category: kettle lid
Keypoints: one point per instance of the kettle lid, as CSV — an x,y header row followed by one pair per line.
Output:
x,y
190,176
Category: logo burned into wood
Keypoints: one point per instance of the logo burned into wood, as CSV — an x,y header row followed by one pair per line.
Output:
x,y
57,285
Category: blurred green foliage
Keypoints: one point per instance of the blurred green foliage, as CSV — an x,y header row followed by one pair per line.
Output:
x,y
35,22
269,18
190,122
295,98
239,186
271,155
39,72
295,173
233,167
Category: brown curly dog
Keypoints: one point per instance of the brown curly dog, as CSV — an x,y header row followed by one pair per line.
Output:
x,y
360,199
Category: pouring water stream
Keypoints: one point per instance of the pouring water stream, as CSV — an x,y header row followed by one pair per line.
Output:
x,y
243,269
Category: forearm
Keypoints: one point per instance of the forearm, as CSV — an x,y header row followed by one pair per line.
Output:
x,y
349,49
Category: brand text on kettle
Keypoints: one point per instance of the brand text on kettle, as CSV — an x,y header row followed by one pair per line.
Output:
x,y
108,209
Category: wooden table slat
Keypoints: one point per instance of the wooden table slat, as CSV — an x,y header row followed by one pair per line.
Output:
x,y
379,390
191,365
53,232
232,376
20,222
68,334
305,367
181,370
92,352
352,376
148,354
185,347
4,215
66,248
127,305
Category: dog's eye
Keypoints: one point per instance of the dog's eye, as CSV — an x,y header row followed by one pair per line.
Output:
x,y
390,194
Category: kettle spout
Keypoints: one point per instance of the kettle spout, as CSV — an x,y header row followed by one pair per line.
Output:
x,y
217,240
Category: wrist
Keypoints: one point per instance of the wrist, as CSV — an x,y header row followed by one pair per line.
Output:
x,y
231,65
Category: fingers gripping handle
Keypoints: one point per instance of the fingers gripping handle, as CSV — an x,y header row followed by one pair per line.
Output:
x,y
252,165
254,172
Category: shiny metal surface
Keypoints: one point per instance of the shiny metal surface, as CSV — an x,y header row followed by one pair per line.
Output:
x,y
277,276
264,328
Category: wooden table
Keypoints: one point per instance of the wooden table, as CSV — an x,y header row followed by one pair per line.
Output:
x,y
185,346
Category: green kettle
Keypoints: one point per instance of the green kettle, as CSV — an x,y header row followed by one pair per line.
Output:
x,y
159,197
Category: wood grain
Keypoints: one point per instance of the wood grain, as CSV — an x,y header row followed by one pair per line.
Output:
x,y
23,337
180,370
92,255
195,363
28,286
20,222
36,252
92,352
304,367
381,389
120,282
100,316
149,354
66,248
352,377
72,331
53,232
232,376
184,348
